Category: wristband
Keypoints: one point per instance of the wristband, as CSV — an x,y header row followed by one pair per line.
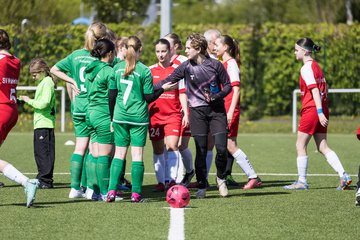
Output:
x,y
319,110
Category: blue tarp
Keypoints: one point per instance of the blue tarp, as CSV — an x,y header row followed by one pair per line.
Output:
x,y
81,20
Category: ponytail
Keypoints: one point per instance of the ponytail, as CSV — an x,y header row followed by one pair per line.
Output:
x,y
133,48
233,47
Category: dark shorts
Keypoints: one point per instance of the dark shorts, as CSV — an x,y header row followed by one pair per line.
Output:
x,y
208,118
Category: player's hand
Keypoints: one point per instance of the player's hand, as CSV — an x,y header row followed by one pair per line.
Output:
x,y
75,89
24,98
169,86
323,120
185,121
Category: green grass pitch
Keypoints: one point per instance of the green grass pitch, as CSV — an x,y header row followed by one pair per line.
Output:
x,y
265,213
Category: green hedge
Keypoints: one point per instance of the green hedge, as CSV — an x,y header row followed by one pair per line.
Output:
x,y
269,70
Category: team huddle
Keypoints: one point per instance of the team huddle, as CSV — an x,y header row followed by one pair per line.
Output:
x,y
116,101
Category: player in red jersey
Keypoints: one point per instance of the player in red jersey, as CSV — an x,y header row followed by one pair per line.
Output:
x,y
227,49
165,120
186,155
314,116
9,78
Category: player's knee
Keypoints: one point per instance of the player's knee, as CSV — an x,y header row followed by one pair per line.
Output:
x,y
221,149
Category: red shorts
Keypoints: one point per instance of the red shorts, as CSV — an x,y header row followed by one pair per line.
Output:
x,y
158,132
309,121
8,118
234,125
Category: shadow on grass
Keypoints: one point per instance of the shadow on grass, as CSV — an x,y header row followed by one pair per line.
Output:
x,y
248,194
38,204
56,185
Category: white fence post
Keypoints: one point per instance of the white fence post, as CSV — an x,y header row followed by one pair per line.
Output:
x,y
294,103
62,111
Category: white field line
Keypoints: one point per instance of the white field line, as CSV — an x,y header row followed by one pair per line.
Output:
x,y
177,222
234,174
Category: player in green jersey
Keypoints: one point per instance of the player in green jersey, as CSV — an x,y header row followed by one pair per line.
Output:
x,y
98,75
74,65
134,87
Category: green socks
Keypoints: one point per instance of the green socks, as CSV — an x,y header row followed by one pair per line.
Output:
x,y
83,173
91,173
102,173
76,164
137,174
116,169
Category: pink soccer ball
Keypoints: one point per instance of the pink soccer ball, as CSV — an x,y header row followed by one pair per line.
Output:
x,y
178,196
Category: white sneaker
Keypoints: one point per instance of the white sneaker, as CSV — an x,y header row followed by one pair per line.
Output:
x,y
357,198
89,193
201,193
76,193
223,190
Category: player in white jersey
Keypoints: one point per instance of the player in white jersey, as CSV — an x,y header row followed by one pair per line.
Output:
x,y
227,49
314,116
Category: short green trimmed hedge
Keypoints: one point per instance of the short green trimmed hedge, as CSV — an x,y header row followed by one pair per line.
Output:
x,y
269,71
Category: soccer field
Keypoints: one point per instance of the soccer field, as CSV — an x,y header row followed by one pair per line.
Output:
x,y
265,213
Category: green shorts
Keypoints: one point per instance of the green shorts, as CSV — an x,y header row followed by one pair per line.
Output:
x,y
130,135
99,127
80,126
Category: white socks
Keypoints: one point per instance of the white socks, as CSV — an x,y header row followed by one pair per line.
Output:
x,y
173,158
180,171
209,157
244,163
334,162
302,163
159,166
187,160
13,174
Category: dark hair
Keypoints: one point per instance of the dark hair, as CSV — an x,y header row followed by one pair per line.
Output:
x,y
163,41
233,47
102,47
308,45
4,40
198,42
111,35
176,40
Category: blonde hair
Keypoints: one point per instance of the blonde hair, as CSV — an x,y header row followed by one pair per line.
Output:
x,y
95,31
39,65
133,47
121,42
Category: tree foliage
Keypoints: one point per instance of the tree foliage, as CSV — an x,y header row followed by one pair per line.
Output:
x,y
39,12
117,11
269,71
260,11
47,12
